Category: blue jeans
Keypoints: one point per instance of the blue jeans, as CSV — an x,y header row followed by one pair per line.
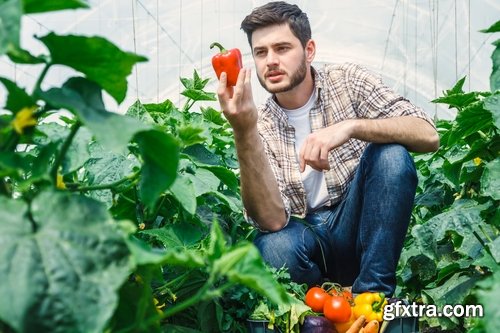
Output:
x,y
358,241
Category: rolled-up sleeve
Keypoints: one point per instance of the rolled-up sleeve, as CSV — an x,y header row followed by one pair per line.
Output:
x,y
373,99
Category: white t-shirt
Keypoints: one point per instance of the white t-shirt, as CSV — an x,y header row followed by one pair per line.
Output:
x,y
314,181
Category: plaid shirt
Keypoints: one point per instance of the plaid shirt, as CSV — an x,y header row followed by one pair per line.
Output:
x,y
345,91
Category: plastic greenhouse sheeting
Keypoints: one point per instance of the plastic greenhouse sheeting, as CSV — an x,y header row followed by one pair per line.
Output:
x,y
419,47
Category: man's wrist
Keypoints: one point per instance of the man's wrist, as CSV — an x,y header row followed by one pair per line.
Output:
x,y
353,127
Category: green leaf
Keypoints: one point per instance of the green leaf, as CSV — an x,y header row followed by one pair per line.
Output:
x,y
203,181
462,219
199,95
213,116
494,247
104,167
143,254
495,27
17,98
100,60
495,72
10,24
490,180
21,56
469,121
138,111
83,98
184,258
489,299
160,152
184,191
37,6
454,290
190,135
492,104
225,175
243,264
176,236
459,100
458,88
217,245
61,268
201,154
11,164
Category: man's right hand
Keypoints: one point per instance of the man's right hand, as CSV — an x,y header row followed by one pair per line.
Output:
x,y
237,102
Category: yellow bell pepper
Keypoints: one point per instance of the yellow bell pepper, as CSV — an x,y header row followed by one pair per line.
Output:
x,y
371,305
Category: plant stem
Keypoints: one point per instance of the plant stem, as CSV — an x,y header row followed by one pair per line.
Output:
x,y
64,149
38,83
108,186
188,105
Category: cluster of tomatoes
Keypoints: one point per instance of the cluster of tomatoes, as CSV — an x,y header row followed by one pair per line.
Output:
x,y
332,301
338,306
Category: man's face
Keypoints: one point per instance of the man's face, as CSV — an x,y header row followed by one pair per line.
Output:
x,y
280,59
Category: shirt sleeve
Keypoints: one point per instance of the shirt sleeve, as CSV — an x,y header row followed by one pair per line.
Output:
x,y
279,179
373,99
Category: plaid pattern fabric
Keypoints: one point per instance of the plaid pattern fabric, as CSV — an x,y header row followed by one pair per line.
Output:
x,y
344,91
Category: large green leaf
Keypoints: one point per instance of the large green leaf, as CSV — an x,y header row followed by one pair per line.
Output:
x,y
61,267
176,236
201,154
454,290
160,153
490,180
184,191
492,104
489,299
84,99
105,167
10,22
17,98
460,221
100,60
225,175
470,120
242,264
38,6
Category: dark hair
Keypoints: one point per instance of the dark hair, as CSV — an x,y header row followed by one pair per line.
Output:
x,y
278,12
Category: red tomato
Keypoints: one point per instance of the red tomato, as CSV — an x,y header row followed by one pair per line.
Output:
x,y
337,309
315,298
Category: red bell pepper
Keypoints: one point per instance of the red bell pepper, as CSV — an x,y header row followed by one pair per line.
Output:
x,y
228,61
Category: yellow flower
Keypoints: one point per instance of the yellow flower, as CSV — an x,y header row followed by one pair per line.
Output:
x,y
24,118
158,306
142,226
477,161
60,182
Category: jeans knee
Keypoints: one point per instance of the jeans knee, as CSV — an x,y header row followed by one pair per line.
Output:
x,y
391,160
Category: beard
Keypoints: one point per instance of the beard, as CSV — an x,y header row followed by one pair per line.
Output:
x,y
295,79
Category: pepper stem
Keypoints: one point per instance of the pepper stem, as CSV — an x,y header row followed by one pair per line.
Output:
x,y
221,48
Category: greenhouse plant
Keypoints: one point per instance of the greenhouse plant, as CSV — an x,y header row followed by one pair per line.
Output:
x,y
133,222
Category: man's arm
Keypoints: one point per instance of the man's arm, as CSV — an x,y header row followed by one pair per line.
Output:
x,y
259,188
414,133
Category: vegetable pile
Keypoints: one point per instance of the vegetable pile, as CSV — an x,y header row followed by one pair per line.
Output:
x,y
346,313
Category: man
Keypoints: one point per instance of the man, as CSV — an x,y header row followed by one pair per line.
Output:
x,y
325,171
